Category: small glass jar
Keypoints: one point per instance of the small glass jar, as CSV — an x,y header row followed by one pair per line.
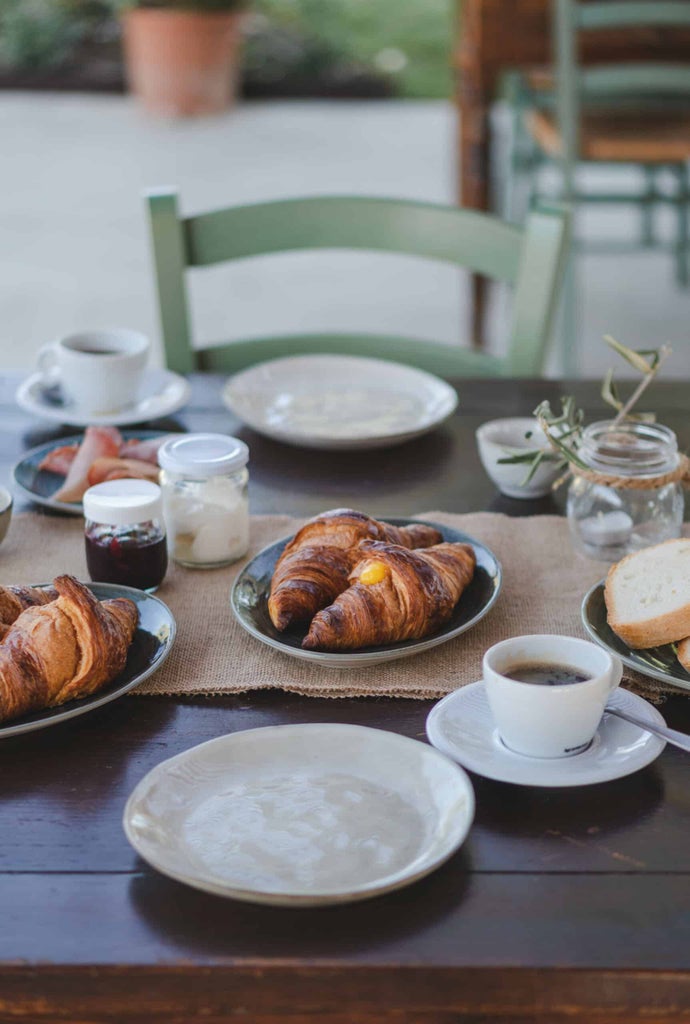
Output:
x,y
204,480
125,534
608,522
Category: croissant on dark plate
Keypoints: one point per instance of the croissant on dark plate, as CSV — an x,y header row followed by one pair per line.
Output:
x,y
395,594
67,648
315,566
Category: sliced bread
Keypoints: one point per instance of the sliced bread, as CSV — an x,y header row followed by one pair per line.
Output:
x,y
647,595
683,652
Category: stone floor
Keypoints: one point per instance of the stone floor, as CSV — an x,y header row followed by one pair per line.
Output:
x,y
74,239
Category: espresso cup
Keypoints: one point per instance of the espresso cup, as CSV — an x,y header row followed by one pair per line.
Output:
x,y
99,371
541,720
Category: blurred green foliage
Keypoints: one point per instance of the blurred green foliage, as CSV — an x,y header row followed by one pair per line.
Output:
x,y
406,42
293,47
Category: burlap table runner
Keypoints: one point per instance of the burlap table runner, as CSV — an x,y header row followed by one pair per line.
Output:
x,y
544,582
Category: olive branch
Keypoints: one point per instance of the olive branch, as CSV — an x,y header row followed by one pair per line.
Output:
x,y
563,431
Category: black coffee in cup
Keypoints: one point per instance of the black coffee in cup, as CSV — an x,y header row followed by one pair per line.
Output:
x,y
546,674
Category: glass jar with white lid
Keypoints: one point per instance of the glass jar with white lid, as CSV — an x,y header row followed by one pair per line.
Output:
x,y
204,479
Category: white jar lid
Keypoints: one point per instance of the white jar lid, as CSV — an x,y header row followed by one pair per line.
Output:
x,y
203,455
123,502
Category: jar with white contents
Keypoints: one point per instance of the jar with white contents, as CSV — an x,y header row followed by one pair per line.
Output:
x,y
204,481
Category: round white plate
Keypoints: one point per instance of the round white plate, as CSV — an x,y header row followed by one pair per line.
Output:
x,y
462,727
249,601
339,402
301,815
162,393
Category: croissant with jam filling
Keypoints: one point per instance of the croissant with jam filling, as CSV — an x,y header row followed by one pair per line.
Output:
x,y
395,595
314,567
67,648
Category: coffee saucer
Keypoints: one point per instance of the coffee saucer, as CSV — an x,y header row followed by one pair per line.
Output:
x,y
162,393
462,727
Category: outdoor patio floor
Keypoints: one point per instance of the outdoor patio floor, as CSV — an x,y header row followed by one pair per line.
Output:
x,y
75,250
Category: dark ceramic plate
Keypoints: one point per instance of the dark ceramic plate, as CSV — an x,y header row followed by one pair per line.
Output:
x,y
249,599
658,662
39,485
150,647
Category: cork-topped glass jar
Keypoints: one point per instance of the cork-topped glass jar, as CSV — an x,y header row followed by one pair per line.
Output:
x,y
630,495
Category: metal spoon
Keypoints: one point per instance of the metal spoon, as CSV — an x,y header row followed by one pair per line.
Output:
x,y
678,739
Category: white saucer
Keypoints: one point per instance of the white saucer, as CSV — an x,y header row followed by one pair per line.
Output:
x,y
461,726
162,393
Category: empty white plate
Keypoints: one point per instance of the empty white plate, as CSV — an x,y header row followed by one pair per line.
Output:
x,y
461,725
339,402
301,815
162,393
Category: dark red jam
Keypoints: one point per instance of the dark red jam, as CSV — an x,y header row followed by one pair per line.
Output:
x,y
132,557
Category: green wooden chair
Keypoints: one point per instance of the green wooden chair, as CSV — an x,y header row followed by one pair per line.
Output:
x,y
628,113
530,259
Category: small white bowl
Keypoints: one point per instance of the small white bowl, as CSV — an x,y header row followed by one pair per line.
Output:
x,y
499,439
5,511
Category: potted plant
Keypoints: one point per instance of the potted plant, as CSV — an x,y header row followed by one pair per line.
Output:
x,y
182,56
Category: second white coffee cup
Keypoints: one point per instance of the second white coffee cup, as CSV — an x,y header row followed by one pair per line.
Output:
x,y
541,720
99,371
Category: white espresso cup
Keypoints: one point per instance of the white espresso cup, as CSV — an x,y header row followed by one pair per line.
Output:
x,y
99,371
542,720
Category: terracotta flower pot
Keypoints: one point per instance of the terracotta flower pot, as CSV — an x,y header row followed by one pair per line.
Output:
x,y
181,63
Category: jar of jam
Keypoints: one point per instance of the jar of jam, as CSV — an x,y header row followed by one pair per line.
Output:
x,y
125,534
204,480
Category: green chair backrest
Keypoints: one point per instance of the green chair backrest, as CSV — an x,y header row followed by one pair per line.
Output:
x,y
530,258
622,83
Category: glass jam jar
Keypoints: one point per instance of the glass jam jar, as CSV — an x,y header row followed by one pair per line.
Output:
x,y
125,534
607,522
204,480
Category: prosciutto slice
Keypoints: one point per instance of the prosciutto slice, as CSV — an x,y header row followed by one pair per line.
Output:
x,y
98,442
60,459
143,451
106,468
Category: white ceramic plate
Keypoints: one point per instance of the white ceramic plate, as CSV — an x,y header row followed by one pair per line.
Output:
x,y
38,485
301,815
339,402
461,725
249,601
163,393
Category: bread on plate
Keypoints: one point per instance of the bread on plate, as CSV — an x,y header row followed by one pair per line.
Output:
x,y
647,596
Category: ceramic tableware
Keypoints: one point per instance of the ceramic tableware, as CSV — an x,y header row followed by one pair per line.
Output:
x,y
339,402
161,393
5,512
462,726
549,719
99,371
38,485
249,600
500,439
658,662
301,815
150,647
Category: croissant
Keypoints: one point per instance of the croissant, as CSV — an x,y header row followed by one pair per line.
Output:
x,y
314,567
65,649
396,594
13,601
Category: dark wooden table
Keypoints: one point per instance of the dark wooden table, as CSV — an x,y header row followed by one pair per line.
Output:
x,y
563,905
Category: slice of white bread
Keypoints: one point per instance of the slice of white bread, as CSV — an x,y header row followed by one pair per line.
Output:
x,y
647,595
683,653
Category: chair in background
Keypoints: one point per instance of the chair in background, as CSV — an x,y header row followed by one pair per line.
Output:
x,y
531,259
635,113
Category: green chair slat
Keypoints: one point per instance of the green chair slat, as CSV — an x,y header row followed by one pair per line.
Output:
x,y
531,259
636,14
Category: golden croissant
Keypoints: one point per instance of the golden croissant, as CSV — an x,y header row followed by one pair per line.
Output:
x,y
314,567
396,595
67,648
13,601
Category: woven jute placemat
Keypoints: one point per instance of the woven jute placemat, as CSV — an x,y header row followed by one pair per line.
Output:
x,y
544,583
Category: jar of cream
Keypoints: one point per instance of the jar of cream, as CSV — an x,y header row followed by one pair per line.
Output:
x,y
204,481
